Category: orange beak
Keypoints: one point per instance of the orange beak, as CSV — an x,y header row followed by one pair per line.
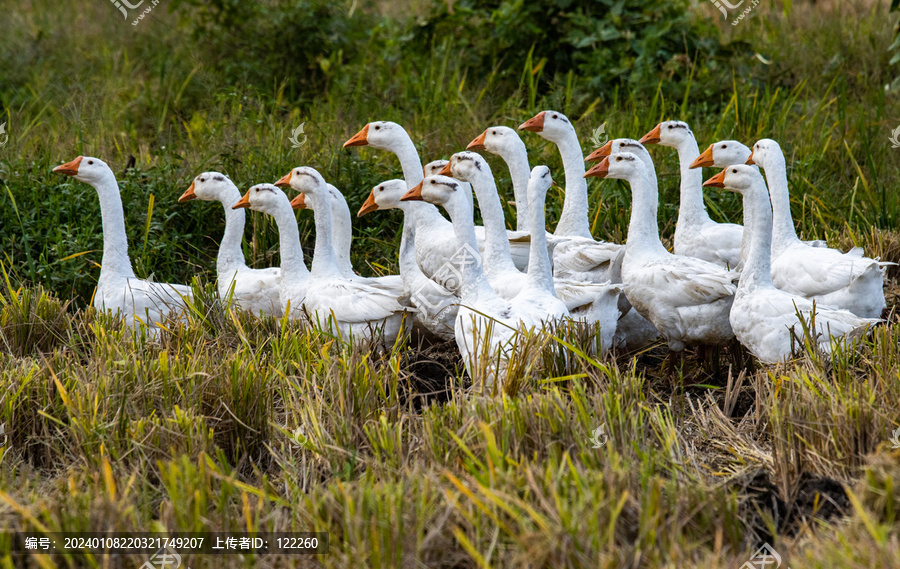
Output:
x,y
188,195
445,171
651,137
285,180
359,139
299,202
534,124
69,168
598,154
750,159
368,206
478,143
600,170
244,202
705,160
717,181
414,195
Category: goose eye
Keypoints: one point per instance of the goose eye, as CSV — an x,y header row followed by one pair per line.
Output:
x,y
432,182
202,179
555,116
671,127
734,170
381,189
493,132
377,127
618,158
724,146
90,161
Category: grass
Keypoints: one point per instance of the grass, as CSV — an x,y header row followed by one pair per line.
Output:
x,y
108,430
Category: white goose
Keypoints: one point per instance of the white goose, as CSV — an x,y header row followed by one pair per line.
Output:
x,y
506,143
577,256
256,290
589,301
487,326
137,301
294,281
843,280
696,235
764,318
357,309
437,307
687,299
342,235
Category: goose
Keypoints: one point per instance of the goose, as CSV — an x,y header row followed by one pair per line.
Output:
x,y
687,299
357,309
342,235
294,281
437,307
843,280
487,326
256,290
587,300
696,235
138,302
725,153
764,318
577,255
506,143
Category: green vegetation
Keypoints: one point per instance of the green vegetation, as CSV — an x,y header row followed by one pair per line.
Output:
x,y
701,464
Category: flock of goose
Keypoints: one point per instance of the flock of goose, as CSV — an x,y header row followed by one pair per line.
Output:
x,y
485,286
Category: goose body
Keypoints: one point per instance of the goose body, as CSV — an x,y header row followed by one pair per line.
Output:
x,y
764,318
830,277
256,290
436,306
138,302
696,235
687,299
352,307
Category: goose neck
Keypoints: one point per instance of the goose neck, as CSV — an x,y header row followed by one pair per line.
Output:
x,y
474,283
540,269
643,228
410,162
231,256
496,243
292,265
757,270
342,234
783,232
115,240
691,208
324,264
519,170
574,219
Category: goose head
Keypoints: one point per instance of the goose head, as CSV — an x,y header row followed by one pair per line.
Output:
x,y
377,134
721,154
616,146
385,195
437,190
621,166
552,125
765,152
540,180
85,169
499,140
208,186
668,133
434,167
466,166
738,178
305,180
266,198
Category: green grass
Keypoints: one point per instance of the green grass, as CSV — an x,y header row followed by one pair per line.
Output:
x,y
111,431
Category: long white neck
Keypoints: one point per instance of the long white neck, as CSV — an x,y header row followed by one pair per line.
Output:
x,y
474,282
757,271
324,263
691,209
574,219
231,256
540,270
408,264
115,241
643,229
341,233
292,265
409,160
516,159
497,256
783,232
